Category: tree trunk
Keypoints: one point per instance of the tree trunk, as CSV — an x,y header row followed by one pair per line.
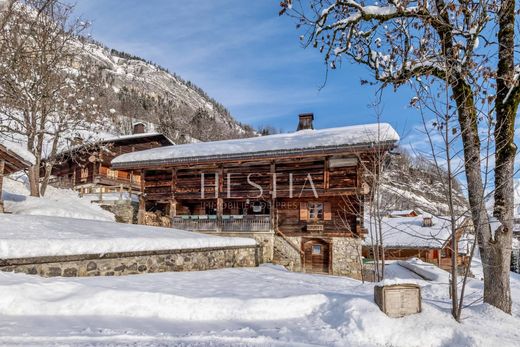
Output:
x,y
46,177
499,257
494,280
34,178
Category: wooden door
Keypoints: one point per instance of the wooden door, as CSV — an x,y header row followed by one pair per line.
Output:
x,y
316,256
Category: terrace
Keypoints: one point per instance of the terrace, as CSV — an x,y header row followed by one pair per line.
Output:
x,y
223,223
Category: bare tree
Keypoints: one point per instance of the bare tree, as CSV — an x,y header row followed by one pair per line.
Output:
x,y
402,41
371,203
45,92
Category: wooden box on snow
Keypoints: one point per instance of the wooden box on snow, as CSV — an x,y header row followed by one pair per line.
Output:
x,y
398,300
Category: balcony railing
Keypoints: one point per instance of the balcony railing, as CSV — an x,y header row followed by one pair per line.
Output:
x,y
226,223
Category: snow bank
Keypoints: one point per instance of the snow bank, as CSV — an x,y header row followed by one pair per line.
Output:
x,y
300,140
48,297
394,282
264,306
56,202
34,236
425,270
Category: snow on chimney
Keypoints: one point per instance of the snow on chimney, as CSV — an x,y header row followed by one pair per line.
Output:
x,y
305,121
139,128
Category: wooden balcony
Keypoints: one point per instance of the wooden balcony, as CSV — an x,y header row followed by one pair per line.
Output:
x,y
226,223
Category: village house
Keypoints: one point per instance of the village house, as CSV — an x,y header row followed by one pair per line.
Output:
x,y
287,191
13,158
422,236
403,213
86,168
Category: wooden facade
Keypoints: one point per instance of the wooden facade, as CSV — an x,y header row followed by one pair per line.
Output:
x,y
301,196
10,162
87,168
306,191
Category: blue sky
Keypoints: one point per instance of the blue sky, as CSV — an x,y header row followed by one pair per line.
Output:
x,y
246,57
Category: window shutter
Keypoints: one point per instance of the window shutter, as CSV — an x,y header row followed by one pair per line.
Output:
x,y
327,213
304,211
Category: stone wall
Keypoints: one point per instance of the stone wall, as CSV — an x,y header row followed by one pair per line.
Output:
x,y
286,255
124,211
346,253
265,241
128,263
157,219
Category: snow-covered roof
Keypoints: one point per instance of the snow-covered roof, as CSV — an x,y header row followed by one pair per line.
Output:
x,y
18,151
409,232
402,212
271,145
131,137
102,138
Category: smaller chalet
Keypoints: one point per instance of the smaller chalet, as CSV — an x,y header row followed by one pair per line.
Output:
x,y
403,213
425,237
13,158
86,168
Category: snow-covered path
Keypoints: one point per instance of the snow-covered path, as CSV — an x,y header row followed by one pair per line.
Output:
x,y
264,306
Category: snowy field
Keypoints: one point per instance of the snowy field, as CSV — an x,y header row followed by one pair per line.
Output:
x,y
264,306
57,202
36,236
61,223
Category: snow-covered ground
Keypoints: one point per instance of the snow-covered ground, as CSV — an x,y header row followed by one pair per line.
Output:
x,y
57,202
61,223
33,236
265,306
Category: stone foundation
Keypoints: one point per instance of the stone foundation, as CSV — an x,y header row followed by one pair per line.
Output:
x,y
346,254
157,219
286,255
129,263
124,211
265,241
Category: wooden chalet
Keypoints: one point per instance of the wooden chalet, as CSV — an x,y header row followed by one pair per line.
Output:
x,y
12,159
425,237
284,190
87,169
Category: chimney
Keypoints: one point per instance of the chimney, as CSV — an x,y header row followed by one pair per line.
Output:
x,y
305,121
139,128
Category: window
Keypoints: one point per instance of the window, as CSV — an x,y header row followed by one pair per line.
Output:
x,y
112,173
316,249
84,172
315,210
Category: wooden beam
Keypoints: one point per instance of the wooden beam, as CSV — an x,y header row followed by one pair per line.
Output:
x,y
272,210
326,174
142,202
219,185
173,202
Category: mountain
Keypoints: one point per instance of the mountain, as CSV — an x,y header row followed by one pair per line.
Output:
x,y
139,90
414,183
